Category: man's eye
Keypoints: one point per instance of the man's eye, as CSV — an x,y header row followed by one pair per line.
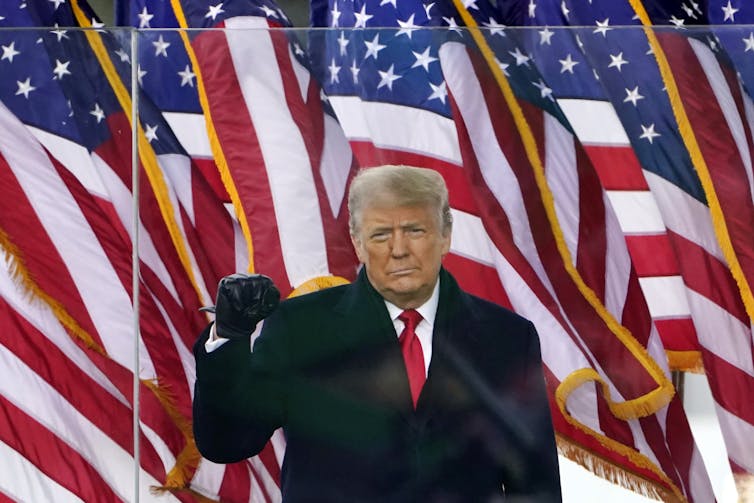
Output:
x,y
416,231
379,236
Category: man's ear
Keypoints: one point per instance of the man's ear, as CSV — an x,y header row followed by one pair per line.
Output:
x,y
446,242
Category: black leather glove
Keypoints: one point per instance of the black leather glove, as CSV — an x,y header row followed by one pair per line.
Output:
x,y
243,300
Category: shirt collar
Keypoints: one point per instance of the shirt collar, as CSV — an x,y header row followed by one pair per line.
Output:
x,y
428,310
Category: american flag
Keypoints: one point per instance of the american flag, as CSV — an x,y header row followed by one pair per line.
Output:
x,y
421,96
689,129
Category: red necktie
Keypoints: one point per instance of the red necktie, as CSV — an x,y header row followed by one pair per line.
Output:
x,y
412,352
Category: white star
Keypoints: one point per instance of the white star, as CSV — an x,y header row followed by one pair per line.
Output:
x,y
532,8
729,12
495,27
695,5
521,58
438,92
160,47
97,24
544,91
387,78
633,96
335,14
564,9
61,69
391,2
503,66
268,11
689,11
452,24
749,42
427,8
355,71
566,65
362,17
545,36
648,133
343,43
712,43
407,26
151,132
298,50
677,22
98,113
423,59
57,3
140,74
470,4
61,34
9,52
187,77
334,69
144,18
123,55
25,87
214,11
579,43
603,27
617,61
373,47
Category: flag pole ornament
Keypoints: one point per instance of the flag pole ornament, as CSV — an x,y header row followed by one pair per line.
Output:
x,y
645,405
697,159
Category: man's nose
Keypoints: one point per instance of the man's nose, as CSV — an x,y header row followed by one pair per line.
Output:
x,y
399,244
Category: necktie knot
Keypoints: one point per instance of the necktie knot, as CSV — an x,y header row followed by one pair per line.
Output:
x,y
410,318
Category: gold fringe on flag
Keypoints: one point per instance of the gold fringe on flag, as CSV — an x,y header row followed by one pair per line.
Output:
x,y
685,361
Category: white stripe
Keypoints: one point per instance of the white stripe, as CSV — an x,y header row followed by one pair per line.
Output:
x,y
721,333
335,163
191,131
23,481
398,127
738,435
495,168
563,179
594,122
208,479
701,488
38,399
289,169
683,214
749,111
266,480
666,296
637,211
617,265
719,85
74,240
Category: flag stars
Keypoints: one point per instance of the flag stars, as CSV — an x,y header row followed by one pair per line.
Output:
x,y
144,18
603,27
407,27
423,59
729,12
269,12
355,71
564,9
532,9
495,27
387,78
362,17
503,66
57,3
689,11
617,61
214,11
298,50
9,52
679,23
545,36
470,4
335,15
187,77
394,3
123,56
648,133
749,42
373,47
428,8
98,113
633,96
343,43
60,34
25,87
452,24
567,64
439,92
544,91
521,58
61,69
334,70
140,75
151,133
161,47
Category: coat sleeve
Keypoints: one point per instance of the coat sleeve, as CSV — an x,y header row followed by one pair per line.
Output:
x,y
239,395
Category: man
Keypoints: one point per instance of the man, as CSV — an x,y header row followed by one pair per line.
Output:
x,y
398,387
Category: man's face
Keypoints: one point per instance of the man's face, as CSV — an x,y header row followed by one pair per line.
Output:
x,y
402,248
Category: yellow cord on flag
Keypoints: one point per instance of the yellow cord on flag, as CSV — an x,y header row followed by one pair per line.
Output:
x,y
697,159
146,153
648,403
217,149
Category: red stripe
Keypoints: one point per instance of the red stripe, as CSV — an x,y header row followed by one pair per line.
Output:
x,y
236,484
652,255
718,148
51,455
677,334
730,386
477,279
237,136
617,167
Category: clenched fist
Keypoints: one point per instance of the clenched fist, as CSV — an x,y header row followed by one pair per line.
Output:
x,y
243,300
